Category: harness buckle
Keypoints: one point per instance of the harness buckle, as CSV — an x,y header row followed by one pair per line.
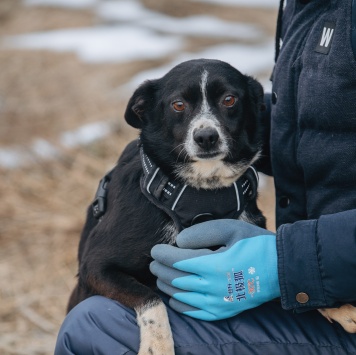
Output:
x,y
99,203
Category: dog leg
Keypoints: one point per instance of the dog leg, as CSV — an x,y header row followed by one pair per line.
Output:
x,y
155,331
345,315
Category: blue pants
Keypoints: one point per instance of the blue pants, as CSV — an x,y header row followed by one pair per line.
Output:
x,y
101,326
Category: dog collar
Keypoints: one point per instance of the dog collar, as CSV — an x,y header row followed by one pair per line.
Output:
x,y
187,205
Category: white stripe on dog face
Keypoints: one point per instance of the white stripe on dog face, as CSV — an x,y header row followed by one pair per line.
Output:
x,y
205,118
204,80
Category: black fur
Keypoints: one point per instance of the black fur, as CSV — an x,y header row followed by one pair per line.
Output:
x,y
114,254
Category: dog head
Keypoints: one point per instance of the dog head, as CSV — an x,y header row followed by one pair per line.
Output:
x,y
199,122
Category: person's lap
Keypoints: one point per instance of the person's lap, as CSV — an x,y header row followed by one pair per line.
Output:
x,y
102,326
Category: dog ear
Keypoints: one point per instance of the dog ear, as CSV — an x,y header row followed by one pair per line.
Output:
x,y
256,94
139,104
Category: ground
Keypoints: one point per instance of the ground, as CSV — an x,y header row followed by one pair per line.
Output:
x,y
42,210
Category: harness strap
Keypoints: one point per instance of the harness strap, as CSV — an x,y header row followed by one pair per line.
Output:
x,y
187,205
184,204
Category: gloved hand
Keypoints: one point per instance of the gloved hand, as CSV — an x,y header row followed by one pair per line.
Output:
x,y
212,285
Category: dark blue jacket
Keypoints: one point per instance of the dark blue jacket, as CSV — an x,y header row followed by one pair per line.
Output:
x,y
313,152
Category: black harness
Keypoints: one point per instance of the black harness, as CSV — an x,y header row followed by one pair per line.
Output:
x,y
187,205
184,204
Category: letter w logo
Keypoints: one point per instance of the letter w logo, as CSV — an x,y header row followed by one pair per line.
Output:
x,y
326,36
325,40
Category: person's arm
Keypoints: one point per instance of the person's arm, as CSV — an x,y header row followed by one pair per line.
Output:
x,y
317,262
313,266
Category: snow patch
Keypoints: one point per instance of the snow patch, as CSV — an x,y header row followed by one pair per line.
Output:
x,y
85,134
41,149
245,3
247,59
126,10
203,26
73,4
101,44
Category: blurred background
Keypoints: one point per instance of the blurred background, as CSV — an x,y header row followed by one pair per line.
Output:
x,y
67,69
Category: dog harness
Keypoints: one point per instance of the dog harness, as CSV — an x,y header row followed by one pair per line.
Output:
x,y
184,204
187,205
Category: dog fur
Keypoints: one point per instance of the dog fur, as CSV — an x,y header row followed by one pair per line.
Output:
x,y
198,123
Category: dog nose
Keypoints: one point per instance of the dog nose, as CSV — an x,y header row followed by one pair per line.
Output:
x,y
206,138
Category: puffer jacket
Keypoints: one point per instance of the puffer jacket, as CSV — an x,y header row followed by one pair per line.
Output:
x,y
313,152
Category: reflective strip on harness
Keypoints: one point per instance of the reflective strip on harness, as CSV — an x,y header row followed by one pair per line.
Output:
x,y
187,205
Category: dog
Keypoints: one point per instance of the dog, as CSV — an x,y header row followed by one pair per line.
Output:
x,y
199,138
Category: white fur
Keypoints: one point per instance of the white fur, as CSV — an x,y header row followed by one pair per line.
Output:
x,y
170,232
205,119
212,174
155,331
246,218
203,83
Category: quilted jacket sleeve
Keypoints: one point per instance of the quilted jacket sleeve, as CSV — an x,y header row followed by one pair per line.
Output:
x,y
317,261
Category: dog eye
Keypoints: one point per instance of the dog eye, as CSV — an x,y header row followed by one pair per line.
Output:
x,y
229,101
178,106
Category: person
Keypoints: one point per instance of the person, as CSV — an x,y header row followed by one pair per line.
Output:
x,y
310,262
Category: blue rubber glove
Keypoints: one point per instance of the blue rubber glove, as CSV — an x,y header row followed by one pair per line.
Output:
x,y
212,285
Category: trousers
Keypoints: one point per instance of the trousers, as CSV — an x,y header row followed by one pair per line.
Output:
x,y
102,326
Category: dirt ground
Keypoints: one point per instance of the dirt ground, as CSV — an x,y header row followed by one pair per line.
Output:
x,y
42,207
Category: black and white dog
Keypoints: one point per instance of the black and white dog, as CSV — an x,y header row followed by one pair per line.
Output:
x,y
199,137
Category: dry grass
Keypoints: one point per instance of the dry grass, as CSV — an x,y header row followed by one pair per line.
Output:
x,y
43,206
42,213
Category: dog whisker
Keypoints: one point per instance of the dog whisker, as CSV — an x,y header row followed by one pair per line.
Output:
x,y
178,146
182,150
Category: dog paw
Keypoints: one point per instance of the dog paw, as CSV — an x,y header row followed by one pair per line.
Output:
x,y
345,315
155,331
